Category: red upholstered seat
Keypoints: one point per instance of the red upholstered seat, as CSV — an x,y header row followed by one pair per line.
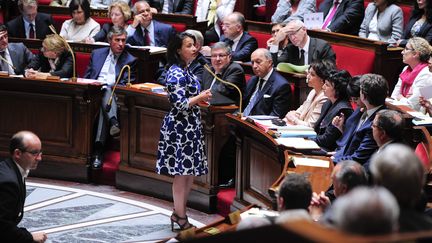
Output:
x,y
1,16
261,38
422,153
179,27
44,2
82,62
260,11
102,21
318,3
355,61
406,10
58,20
271,6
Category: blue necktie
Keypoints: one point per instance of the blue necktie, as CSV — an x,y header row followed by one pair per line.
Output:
x,y
254,98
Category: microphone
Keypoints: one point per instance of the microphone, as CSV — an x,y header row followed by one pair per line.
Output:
x,y
128,84
206,67
74,77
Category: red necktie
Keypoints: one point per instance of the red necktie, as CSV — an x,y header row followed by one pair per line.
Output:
x,y
31,32
147,41
331,15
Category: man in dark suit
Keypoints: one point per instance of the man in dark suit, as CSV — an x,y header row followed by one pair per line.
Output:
x,y
302,49
342,16
172,6
30,24
14,56
105,65
357,142
267,93
144,31
227,70
25,153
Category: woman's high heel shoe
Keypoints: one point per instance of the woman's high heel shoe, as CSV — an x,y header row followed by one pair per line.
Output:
x,y
177,219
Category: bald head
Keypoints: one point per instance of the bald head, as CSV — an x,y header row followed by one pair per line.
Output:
x,y
26,149
262,62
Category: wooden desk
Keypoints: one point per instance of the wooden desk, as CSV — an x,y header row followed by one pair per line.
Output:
x,y
62,114
261,163
147,65
141,115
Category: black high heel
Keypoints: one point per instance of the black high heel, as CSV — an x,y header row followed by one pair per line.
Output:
x,y
176,219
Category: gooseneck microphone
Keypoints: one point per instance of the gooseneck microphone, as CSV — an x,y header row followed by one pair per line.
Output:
x,y
207,67
128,84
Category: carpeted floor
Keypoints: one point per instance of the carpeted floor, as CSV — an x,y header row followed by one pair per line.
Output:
x,y
75,215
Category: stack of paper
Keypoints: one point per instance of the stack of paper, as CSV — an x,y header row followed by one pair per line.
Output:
x,y
298,143
311,162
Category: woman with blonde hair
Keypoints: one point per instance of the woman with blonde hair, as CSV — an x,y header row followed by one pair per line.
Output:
x,y
415,75
120,13
53,59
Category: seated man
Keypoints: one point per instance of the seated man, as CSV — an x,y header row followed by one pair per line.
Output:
x,y
357,141
242,44
267,93
14,57
144,31
367,211
195,66
398,169
302,49
31,24
342,16
105,65
171,6
227,70
25,150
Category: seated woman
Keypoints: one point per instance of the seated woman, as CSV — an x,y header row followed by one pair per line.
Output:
x,y
309,112
81,26
335,88
53,59
420,22
288,10
415,75
120,13
383,21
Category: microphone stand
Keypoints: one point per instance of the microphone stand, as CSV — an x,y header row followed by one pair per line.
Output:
x,y
74,77
206,67
128,85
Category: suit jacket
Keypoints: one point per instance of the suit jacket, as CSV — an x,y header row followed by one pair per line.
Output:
x,y
163,33
318,50
42,23
103,33
234,74
63,68
97,61
13,194
357,144
246,45
274,98
390,23
425,31
179,6
347,18
326,137
20,55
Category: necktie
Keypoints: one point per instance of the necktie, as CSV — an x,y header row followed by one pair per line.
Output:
x,y
302,57
147,41
229,42
170,6
362,120
4,65
254,98
331,15
31,32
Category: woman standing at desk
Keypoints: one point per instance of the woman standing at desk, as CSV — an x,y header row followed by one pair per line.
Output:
x,y
181,149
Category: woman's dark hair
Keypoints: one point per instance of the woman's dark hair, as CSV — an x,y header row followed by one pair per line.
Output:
x,y
353,88
339,80
175,44
85,6
323,68
417,12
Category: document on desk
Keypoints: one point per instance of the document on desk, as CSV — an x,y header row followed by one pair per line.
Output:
x,y
153,49
311,162
298,143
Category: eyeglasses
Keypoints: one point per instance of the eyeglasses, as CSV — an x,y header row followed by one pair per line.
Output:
x,y
219,55
293,32
408,49
33,152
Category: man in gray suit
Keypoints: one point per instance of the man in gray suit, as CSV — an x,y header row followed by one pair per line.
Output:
x,y
302,49
172,6
227,70
14,57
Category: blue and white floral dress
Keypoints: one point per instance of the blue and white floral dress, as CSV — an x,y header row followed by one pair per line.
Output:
x,y
181,148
